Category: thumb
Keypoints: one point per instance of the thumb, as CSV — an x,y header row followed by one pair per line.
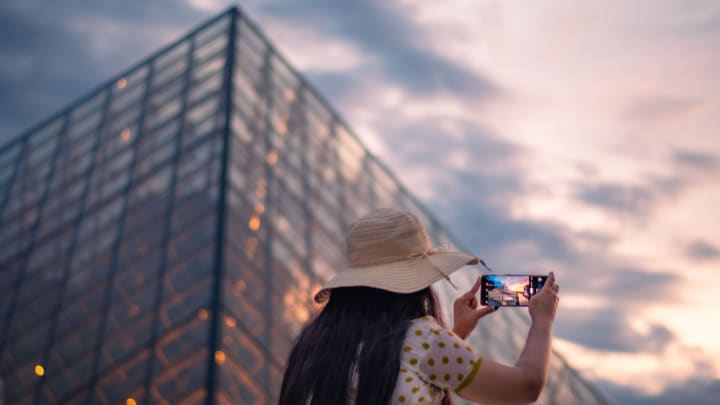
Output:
x,y
483,311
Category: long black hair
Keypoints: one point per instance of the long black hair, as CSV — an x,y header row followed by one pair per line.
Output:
x,y
359,327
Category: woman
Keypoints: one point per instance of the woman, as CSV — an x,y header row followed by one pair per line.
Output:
x,y
381,339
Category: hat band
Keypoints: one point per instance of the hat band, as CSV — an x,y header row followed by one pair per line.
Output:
x,y
426,255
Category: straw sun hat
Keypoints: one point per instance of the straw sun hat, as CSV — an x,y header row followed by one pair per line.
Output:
x,y
390,250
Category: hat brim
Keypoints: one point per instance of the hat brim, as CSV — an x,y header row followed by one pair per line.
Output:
x,y
403,277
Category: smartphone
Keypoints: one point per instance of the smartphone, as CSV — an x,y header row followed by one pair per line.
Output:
x,y
510,290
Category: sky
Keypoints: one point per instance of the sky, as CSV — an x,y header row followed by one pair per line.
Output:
x,y
579,137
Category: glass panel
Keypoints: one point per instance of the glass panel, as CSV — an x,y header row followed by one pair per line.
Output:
x,y
171,62
126,96
180,362
9,156
208,85
213,49
245,369
91,106
124,383
218,28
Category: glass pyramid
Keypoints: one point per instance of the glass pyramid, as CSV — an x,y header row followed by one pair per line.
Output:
x,y
161,238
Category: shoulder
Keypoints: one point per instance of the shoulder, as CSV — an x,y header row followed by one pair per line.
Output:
x,y
427,323
426,328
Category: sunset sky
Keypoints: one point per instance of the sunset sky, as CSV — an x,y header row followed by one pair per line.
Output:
x,y
576,136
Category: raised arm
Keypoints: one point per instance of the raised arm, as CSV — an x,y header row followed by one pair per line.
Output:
x,y
495,383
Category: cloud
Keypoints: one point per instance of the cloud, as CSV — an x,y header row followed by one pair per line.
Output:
x,y
662,108
38,70
639,200
696,160
636,201
53,53
386,34
702,250
627,286
623,199
610,329
696,390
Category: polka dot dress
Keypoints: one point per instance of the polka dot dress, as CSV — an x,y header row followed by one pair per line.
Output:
x,y
432,359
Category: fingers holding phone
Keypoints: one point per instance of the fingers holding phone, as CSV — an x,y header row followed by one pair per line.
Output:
x,y
543,305
466,313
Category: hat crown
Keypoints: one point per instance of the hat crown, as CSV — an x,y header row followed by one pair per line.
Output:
x,y
385,236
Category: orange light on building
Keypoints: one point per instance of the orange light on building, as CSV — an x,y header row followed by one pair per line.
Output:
x,y
260,188
134,310
272,157
259,208
230,322
282,128
240,286
289,95
219,357
254,223
125,134
130,401
39,370
121,83
250,247
202,314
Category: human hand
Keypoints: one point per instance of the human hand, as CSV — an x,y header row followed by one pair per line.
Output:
x,y
543,305
465,312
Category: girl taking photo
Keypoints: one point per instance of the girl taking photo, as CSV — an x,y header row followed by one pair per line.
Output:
x,y
381,339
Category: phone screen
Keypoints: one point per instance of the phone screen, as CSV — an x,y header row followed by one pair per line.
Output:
x,y
510,290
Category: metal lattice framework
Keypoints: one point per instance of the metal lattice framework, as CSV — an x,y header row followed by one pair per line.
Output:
x,y
161,238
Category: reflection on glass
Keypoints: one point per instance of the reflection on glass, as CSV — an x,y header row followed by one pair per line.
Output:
x,y
260,190
125,134
254,223
272,157
219,357
250,247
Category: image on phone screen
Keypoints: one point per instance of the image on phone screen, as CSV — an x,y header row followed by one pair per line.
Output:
x,y
509,289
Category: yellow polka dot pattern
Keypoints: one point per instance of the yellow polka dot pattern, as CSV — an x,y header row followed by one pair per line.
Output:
x,y
432,359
